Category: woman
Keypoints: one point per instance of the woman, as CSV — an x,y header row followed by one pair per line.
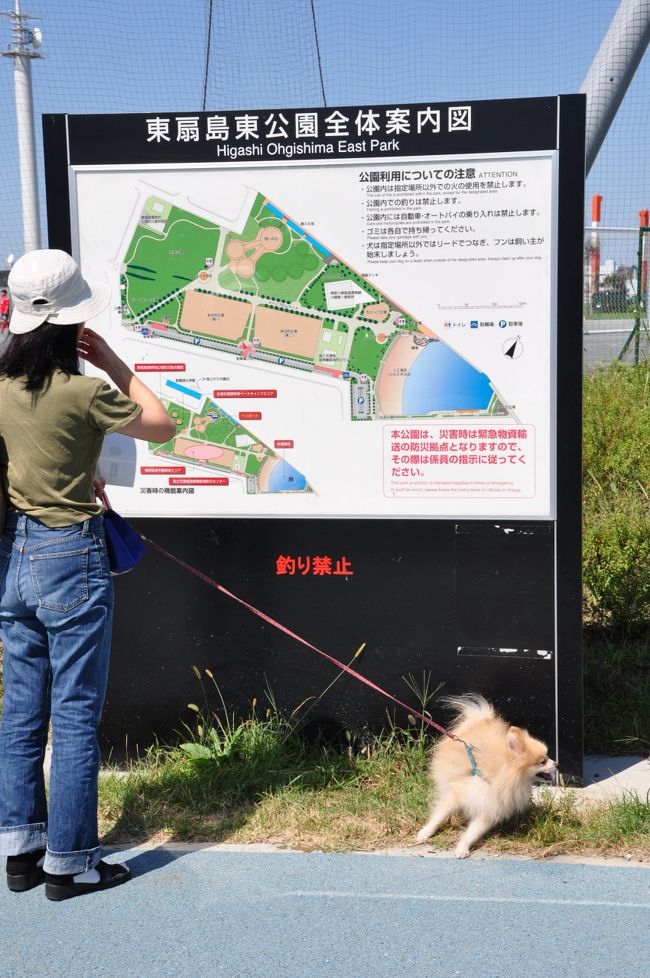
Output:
x,y
56,593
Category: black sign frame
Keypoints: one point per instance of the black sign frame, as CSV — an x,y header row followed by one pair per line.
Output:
x,y
474,644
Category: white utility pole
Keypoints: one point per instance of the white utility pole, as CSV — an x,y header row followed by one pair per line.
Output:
x,y
613,69
22,49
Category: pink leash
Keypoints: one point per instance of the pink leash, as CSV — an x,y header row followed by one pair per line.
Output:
x,y
287,631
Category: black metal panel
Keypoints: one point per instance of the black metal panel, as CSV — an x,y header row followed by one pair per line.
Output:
x,y
502,599
569,428
55,146
419,591
496,126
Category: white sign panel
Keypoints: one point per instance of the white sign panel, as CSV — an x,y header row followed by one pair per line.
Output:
x,y
352,339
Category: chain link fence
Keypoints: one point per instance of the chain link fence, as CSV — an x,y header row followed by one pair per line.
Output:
x,y
615,306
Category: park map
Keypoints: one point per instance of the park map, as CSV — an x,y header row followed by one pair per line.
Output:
x,y
273,293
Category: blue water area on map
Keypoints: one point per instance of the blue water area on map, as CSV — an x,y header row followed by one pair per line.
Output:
x,y
319,247
184,390
440,380
284,478
275,211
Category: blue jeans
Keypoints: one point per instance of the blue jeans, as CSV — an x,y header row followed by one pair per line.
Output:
x,y
56,611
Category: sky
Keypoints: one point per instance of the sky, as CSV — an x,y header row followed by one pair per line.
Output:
x,y
143,56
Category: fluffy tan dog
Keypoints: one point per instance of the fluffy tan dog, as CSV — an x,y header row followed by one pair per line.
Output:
x,y
508,760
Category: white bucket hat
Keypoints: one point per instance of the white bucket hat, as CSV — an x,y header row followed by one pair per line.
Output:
x,y
48,286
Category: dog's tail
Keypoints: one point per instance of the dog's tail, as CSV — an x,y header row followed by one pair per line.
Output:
x,y
471,706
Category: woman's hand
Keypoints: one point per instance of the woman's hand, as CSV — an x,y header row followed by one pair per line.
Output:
x,y
94,348
154,424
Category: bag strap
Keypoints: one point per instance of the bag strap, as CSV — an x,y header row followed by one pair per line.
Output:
x,y
103,498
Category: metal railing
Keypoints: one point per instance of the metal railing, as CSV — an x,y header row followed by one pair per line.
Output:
x,y
615,310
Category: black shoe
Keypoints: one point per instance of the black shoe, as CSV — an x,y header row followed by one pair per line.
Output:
x,y
23,872
64,887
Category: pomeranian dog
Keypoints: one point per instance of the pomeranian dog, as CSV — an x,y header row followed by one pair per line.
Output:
x,y
508,761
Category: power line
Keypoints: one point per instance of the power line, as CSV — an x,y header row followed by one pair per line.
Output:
x,y
320,66
208,47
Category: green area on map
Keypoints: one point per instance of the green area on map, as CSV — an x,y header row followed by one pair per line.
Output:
x,y
270,292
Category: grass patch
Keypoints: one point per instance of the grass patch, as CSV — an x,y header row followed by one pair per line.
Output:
x,y
616,557
273,788
616,452
551,828
261,781
617,691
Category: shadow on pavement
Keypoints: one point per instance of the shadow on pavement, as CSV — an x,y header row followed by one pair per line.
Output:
x,y
149,860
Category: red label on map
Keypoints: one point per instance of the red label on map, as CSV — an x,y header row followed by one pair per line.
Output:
x,y
232,392
162,470
199,481
144,368
250,415
283,444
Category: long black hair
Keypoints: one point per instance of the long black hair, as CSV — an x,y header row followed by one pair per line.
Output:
x,y
35,356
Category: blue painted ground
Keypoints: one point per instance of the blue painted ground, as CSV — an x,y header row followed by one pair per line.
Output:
x,y
297,915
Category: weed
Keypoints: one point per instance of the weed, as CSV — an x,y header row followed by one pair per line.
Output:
x,y
616,454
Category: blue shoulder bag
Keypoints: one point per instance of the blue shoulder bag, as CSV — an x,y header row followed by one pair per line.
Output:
x,y
123,542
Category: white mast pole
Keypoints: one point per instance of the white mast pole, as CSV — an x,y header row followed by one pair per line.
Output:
x,y
613,69
22,51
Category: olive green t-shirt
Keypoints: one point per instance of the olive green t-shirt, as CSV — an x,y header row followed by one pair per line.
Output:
x,y
50,444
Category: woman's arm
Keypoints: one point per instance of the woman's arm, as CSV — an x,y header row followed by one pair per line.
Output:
x,y
154,424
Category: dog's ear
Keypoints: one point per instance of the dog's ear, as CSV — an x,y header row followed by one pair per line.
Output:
x,y
515,741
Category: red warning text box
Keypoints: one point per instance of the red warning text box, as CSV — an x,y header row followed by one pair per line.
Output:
x,y
150,368
250,415
240,392
286,443
162,470
200,481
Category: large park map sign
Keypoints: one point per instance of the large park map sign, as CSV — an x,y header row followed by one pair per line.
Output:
x,y
346,312
365,323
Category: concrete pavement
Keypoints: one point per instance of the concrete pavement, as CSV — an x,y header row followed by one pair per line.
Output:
x,y
604,339
252,914
606,779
